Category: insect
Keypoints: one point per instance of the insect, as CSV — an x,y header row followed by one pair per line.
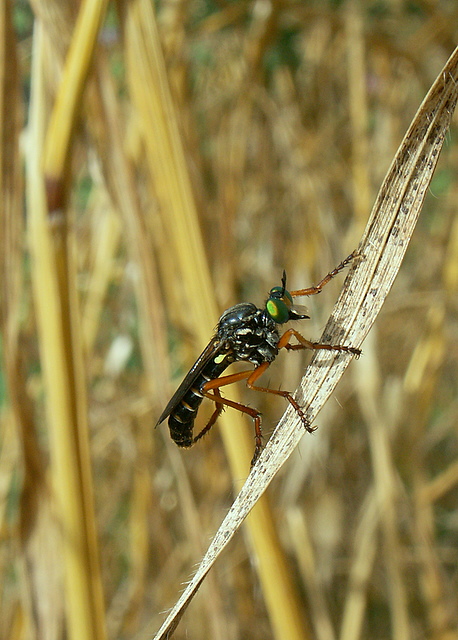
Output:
x,y
244,333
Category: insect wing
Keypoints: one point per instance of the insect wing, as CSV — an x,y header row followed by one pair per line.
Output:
x,y
298,312
208,354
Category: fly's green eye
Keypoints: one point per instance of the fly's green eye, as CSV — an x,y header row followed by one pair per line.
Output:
x,y
278,304
277,310
280,292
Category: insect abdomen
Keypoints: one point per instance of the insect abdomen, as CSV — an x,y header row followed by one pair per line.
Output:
x,y
181,420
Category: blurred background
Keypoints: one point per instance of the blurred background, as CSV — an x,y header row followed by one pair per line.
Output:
x,y
214,144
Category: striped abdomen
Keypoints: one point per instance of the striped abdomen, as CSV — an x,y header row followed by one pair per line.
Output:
x,y
181,419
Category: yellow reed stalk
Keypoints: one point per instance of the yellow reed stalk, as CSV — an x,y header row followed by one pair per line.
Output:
x,y
11,225
67,106
61,357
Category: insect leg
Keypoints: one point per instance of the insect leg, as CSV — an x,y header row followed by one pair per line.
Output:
x,y
311,291
214,417
214,385
278,392
307,344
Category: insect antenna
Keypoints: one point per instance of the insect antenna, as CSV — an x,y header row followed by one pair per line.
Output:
x,y
283,282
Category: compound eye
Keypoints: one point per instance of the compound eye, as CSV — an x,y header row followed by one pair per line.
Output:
x,y
279,293
277,309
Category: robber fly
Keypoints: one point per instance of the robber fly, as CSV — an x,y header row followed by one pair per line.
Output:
x,y
244,332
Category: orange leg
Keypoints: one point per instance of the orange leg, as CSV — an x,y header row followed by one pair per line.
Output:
x,y
307,344
251,376
311,291
214,385
214,417
278,392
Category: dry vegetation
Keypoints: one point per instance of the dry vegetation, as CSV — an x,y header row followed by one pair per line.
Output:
x,y
178,164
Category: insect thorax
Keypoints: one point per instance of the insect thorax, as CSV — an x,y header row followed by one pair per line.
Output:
x,y
249,333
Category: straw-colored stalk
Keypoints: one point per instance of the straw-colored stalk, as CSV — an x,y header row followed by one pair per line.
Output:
x,y
57,309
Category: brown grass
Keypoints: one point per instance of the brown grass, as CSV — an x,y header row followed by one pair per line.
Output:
x,y
197,157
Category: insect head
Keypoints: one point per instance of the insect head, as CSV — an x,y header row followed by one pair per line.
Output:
x,y
279,305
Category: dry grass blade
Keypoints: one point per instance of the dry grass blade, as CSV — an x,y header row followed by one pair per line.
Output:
x,y
56,305
73,82
10,189
381,252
